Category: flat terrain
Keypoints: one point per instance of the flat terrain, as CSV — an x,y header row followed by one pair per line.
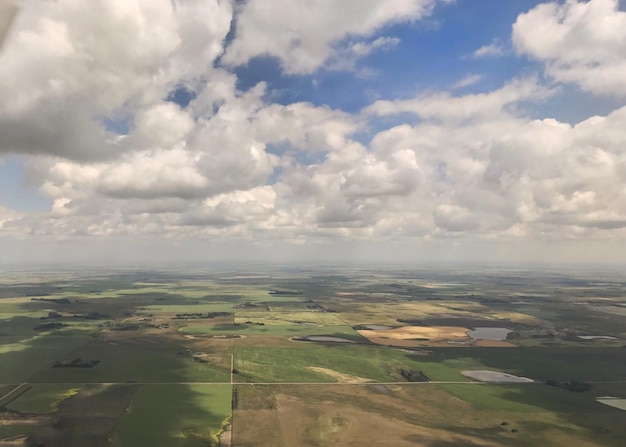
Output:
x,y
287,356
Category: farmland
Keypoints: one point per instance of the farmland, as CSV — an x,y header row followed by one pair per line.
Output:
x,y
286,357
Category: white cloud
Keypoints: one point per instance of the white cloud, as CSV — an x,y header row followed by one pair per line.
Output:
x,y
66,68
345,57
495,177
302,35
8,216
361,49
443,106
579,42
233,165
153,174
493,49
467,81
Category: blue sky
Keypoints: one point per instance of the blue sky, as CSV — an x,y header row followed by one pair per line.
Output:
x,y
471,127
432,55
15,192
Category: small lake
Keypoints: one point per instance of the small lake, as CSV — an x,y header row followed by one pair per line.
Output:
x,y
324,338
596,337
489,333
376,327
495,377
615,402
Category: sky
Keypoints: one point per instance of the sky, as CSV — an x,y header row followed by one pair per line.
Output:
x,y
147,131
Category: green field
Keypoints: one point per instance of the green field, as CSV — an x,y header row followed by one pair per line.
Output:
x,y
136,362
542,363
44,398
21,359
290,364
174,415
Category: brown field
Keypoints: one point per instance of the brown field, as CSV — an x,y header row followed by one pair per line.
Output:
x,y
387,415
494,344
361,415
12,418
408,336
14,441
354,416
516,317
341,377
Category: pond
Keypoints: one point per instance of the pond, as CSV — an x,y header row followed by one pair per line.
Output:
x,y
489,333
324,338
495,377
614,402
596,337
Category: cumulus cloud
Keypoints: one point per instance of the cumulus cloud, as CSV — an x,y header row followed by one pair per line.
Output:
x,y
303,35
579,42
498,176
7,217
90,120
65,69
444,106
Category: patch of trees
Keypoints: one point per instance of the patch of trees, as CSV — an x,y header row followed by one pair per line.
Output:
x,y
125,327
76,363
252,322
49,326
93,316
573,385
235,399
88,316
53,300
237,372
411,375
247,304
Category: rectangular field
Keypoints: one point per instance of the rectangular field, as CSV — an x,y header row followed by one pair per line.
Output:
x,y
174,416
294,364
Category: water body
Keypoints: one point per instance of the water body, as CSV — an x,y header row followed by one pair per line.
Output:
x,y
489,333
325,338
597,337
614,402
376,327
495,377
